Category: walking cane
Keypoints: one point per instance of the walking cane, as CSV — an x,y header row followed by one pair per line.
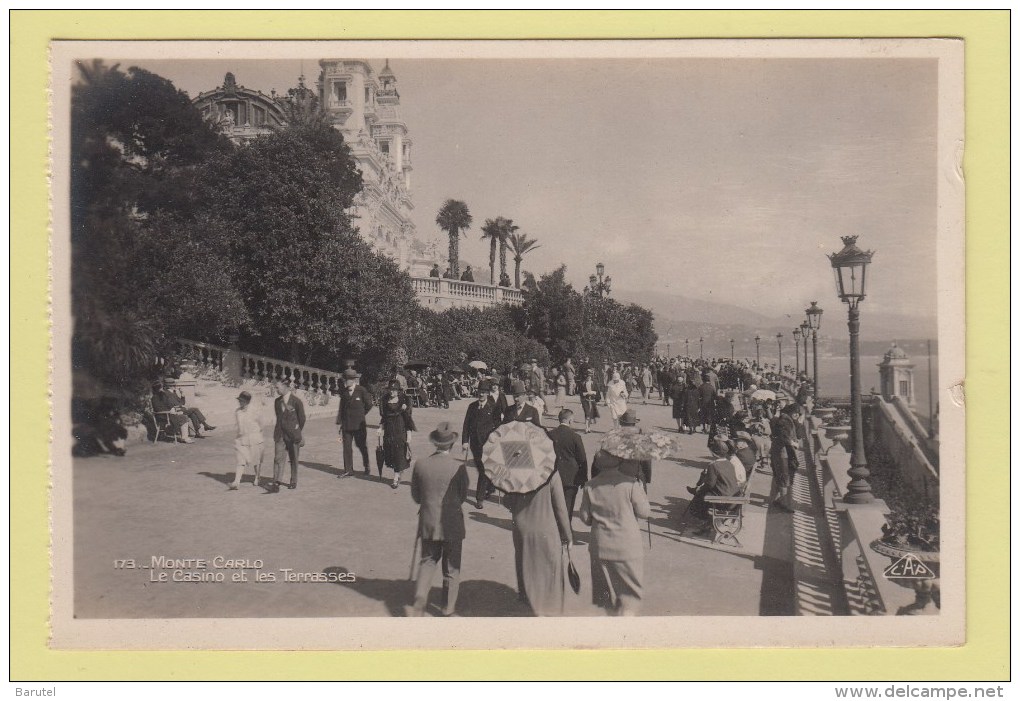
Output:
x,y
414,556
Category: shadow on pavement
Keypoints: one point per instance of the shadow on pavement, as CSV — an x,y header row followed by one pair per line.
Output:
x,y
777,580
321,467
504,523
478,597
221,477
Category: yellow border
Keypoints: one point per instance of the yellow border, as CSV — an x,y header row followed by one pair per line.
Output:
x,y
985,656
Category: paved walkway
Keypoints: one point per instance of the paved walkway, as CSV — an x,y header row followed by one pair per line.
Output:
x,y
172,500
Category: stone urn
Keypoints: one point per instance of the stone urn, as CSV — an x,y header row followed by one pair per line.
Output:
x,y
838,434
920,572
824,412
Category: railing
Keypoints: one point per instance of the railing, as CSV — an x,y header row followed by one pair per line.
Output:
x,y
852,528
446,292
205,355
239,365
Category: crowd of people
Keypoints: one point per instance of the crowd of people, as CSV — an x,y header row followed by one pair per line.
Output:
x,y
743,425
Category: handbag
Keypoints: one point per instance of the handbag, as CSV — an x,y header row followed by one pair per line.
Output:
x,y
572,576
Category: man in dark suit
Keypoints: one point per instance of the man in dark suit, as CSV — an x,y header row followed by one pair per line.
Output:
x,y
290,422
483,417
571,460
355,403
439,485
520,410
706,404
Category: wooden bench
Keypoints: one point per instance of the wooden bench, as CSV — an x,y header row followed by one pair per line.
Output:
x,y
726,514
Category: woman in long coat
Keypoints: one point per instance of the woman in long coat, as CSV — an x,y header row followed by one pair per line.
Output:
x,y
541,529
395,412
691,406
589,400
616,396
561,389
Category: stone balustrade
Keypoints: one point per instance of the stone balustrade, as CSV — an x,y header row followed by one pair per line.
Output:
x,y
239,366
852,528
442,293
259,368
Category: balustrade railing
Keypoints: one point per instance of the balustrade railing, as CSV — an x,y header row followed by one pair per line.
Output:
x,y
241,365
460,290
262,369
205,355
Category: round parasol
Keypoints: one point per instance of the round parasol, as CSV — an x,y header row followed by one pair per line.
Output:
x,y
416,365
519,457
762,395
641,444
478,365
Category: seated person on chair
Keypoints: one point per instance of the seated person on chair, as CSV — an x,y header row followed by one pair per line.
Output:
x,y
723,478
163,401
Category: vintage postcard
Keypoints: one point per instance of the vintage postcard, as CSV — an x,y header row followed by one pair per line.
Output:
x,y
609,344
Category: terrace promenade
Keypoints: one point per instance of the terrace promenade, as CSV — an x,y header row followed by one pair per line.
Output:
x,y
172,500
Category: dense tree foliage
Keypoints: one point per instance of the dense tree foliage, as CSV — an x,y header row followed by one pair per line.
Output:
x,y
133,137
178,232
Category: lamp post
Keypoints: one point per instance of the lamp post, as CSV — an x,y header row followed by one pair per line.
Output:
x,y
814,317
687,347
701,347
850,266
779,339
796,353
804,335
757,350
731,350
599,284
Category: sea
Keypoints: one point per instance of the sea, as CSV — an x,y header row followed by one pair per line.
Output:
x,y
834,375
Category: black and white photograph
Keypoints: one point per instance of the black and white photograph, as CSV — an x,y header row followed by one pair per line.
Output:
x,y
660,341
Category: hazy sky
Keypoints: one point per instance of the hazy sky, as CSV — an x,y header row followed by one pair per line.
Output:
x,y
721,179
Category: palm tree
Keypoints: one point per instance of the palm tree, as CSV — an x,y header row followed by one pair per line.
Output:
x,y
453,218
492,231
520,244
507,226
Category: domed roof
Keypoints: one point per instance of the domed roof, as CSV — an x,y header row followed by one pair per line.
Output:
x,y
387,71
895,353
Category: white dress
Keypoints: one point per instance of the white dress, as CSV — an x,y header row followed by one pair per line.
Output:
x,y
616,395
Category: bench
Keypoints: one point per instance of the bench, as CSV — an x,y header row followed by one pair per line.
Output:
x,y
726,514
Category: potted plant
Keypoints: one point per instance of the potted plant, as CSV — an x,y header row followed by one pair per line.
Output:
x,y
837,427
914,532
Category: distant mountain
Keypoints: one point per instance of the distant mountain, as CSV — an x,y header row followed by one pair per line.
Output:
x,y
678,317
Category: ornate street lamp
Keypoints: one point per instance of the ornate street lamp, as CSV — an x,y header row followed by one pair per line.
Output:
x,y
850,267
701,345
814,317
804,328
796,353
757,350
779,339
598,284
731,350
687,347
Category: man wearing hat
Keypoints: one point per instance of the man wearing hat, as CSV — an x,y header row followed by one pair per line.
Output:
x,y
520,410
483,417
249,443
439,485
167,402
290,421
355,403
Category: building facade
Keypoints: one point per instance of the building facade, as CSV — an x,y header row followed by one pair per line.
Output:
x,y
364,106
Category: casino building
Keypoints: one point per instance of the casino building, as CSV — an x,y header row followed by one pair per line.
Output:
x,y
365,107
